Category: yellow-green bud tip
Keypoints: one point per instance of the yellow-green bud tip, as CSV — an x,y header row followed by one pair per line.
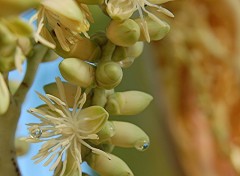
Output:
x,y
113,167
123,33
77,72
127,103
108,75
129,135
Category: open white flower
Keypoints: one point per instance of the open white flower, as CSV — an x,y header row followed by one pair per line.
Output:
x,y
124,9
64,20
64,129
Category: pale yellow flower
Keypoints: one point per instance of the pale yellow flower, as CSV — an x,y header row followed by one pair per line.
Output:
x,y
14,43
61,21
64,129
124,9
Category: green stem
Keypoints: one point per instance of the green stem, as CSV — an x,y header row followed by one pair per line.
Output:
x,y
33,61
107,51
9,120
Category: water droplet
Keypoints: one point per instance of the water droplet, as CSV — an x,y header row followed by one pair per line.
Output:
x,y
111,129
142,145
35,132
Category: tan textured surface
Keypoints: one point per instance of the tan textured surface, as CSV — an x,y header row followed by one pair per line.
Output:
x,y
199,66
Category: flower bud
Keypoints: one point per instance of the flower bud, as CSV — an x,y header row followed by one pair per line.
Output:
x,y
125,56
21,147
90,2
129,135
7,38
70,91
18,27
105,133
5,96
119,10
127,103
123,33
14,43
12,7
108,75
135,50
77,72
84,49
113,167
156,29
8,45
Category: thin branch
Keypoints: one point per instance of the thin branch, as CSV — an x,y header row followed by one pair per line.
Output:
x,y
33,62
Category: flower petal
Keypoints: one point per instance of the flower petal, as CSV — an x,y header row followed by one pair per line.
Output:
x,y
68,13
92,119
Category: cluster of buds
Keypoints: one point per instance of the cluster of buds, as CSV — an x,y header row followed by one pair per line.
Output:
x,y
77,126
15,43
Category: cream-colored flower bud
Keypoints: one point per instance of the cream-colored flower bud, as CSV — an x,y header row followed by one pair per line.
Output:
x,y
113,167
105,133
14,43
120,10
18,27
127,103
84,49
90,2
21,147
135,50
156,30
5,96
122,53
77,72
129,135
108,75
13,7
70,91
7,42
125,56
123,33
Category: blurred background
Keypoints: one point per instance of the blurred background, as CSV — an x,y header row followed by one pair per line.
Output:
x,y
193,74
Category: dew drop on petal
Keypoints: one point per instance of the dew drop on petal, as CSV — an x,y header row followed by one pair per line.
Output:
x,y
142,145
35,132
111,129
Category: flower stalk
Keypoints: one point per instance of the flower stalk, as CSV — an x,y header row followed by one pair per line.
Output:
x,y
9,120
